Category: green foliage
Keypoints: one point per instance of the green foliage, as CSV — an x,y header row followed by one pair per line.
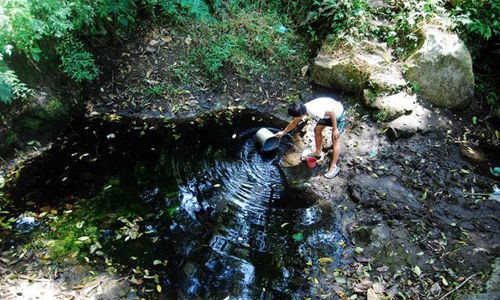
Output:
x,y
478,20
247,39
181,9
38,28
155,90
76,62
10,86
343,20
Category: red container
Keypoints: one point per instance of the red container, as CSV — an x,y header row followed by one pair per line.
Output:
x,y
311,162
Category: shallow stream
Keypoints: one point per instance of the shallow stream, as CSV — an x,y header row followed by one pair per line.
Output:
x,y
208,212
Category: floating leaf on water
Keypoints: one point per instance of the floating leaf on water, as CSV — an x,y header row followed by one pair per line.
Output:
x,y
157,262
217,185
358,250
298,237
325,260
158,288
309,263
284,224
234,136
474,120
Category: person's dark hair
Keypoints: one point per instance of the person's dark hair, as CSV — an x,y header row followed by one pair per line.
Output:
x,y
297,109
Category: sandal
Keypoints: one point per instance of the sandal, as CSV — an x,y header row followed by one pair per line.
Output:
x,y
334,174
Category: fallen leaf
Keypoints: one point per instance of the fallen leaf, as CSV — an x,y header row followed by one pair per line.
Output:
x,y
158,288
363,286
417,270
435,289
188,40
325,260
370,295
136,281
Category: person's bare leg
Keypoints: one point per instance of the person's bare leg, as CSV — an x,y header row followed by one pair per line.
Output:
x,y
335,155
318,138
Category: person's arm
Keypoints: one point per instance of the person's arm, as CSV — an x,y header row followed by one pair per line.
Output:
x,y
333,118
293,123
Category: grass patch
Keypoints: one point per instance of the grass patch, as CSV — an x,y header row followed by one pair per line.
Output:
x,y
246,40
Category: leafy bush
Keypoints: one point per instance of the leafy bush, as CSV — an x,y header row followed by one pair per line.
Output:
x,y
38,28
247,38
477,20
10,86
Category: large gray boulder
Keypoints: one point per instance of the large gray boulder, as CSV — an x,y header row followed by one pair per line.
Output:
x,y
350,68
442,69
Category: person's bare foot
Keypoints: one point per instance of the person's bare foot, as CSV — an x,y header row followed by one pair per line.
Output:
x,y
332,173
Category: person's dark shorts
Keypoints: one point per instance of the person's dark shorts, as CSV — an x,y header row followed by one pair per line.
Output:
x,y
340,123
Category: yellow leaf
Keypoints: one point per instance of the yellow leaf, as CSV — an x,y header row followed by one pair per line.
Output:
x,y
284,224
158,288
325,260
309,263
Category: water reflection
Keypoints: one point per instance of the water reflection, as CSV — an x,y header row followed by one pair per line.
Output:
x,y
216,208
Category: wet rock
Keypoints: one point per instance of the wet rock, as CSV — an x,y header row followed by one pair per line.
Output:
x,y
384,194
26,224
442,69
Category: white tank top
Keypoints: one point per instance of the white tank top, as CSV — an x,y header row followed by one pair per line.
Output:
x,y
317,108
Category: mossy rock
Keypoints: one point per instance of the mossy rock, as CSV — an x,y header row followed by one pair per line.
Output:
x,y
352,69
441,69
339,73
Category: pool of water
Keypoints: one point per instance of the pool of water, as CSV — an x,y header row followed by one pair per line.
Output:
x,y
217,212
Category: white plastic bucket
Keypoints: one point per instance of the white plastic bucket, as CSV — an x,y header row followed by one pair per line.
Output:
x,y
266,139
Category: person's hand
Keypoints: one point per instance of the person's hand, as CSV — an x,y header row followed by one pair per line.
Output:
x,y
335,134
279,134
